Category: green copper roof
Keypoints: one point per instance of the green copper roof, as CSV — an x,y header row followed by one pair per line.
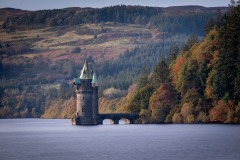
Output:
x,y
95,80
85,73
77,81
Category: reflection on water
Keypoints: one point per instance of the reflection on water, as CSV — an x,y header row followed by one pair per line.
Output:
x,y
27,139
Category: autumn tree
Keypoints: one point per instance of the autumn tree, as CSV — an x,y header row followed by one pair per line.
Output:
x,y
161,102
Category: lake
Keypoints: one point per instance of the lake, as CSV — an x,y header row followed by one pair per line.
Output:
x,y
44,139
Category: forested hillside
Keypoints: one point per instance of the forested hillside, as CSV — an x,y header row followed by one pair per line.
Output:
x,y
200,85
187,20
42,51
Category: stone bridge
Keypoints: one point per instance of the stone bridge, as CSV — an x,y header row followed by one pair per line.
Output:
x,y
115,117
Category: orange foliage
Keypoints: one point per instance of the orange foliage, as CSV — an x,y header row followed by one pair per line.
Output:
x,y
132,88
220,112
163,95
176,67
4,112
209,91
215,57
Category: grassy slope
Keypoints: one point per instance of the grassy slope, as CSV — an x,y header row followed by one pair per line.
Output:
x,y
56,42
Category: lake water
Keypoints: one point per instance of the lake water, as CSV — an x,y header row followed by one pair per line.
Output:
x,y
44,139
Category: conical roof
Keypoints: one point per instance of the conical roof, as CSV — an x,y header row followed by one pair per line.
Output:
x,y
94,80
85,73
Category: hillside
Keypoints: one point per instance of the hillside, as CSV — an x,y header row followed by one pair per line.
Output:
x,y
42,50
200,85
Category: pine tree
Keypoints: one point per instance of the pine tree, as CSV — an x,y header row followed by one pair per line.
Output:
x,y
226,82
143,80
209,25
160,74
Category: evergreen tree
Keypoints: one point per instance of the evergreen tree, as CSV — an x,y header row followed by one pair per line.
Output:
x,y
160,74
226,81
209,25
173,52
143,80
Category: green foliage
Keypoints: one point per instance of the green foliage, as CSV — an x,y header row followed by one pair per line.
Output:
x,y
145,116
188,76
159,113
66,91
140,99
209,26
160,74
193,39
143,79
203,74
131,65
227,66
173,52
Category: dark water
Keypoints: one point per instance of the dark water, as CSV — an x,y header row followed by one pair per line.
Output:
x,y
26,139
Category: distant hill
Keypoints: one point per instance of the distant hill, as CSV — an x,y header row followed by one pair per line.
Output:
x,y
11,12
163,18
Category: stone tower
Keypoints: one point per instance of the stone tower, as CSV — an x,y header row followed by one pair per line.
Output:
x,y
87,97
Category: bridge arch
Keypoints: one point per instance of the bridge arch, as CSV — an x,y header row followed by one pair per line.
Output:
x,y
131,117
124,121
107,121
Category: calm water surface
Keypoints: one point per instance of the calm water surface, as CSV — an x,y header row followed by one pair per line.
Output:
x,y
41,139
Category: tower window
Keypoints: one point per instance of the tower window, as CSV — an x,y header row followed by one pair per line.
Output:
x,y
82,109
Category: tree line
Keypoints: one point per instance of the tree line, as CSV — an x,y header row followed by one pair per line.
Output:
x,y
165,19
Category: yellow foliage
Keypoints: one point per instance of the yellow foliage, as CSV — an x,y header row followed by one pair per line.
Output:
x,y
60,109
177,118
206,50
202,118
186,111
190,119
209,85
117,105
